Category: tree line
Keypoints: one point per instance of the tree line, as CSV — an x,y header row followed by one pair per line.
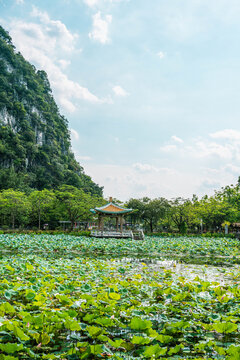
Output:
x,y
33,210
210,213
68,203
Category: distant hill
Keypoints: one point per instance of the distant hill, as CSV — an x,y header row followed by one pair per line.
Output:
x,y
35,147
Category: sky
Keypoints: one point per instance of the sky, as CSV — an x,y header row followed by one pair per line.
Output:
x,y
150,88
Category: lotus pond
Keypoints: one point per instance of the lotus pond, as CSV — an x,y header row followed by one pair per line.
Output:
x,y
65,297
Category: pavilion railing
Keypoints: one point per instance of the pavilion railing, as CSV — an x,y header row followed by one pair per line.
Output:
x,y
112,234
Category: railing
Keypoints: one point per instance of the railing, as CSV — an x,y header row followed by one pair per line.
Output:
x,y
138,235
112,234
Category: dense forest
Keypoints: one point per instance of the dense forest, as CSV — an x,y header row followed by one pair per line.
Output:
x,y
35,148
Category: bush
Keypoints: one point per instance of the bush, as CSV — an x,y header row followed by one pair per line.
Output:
x,y
206,235
47,232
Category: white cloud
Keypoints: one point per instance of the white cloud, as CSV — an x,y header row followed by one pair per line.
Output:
x,y
228,134
232,169
144,167
100,31
48,44
148,168
78,156
204,164
182,24
65,103
64,63
198,166
209,184
74,134
119,91
177,139
94,3
56,31
209,149
195,166
83,158
19,2
224,147
91,3
125,182
186,20
168,148
161,54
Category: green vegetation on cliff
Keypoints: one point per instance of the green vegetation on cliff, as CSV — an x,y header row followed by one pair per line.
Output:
x,y
35,148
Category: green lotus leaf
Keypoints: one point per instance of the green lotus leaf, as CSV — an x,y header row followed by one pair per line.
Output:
x,y
104,321
72,313
11,348
220,350
64,299
116,343
114,296
234,352
9,294
8,357
20,334
225,327
138,324
30,295
7,308
10,268
44,339
154,350
140,340
86,288
72,325
121,270
175,349
164,339
94,331
89,318
99,349
29,267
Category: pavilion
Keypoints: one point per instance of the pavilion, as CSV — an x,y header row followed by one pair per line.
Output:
x,y
111,210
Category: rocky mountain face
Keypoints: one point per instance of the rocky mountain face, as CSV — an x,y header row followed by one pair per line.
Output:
x,y
35,148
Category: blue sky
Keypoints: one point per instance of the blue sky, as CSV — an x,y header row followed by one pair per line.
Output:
x,y
150,88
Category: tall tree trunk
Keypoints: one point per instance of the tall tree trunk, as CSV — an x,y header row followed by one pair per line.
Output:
x,y
151,226
39,220
13,221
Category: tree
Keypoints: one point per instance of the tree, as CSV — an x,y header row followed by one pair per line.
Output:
x,y
40,201
148,211
230,194
13,204
74,204
182,213
154,210
138,207
214,211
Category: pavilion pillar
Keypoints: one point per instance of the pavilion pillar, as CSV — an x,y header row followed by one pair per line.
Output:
x,y
121,224
117,223
99,222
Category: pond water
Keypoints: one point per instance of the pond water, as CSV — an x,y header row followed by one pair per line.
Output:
x,y
221,274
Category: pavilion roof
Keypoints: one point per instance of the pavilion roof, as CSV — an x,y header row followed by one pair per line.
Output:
x,y
111,208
